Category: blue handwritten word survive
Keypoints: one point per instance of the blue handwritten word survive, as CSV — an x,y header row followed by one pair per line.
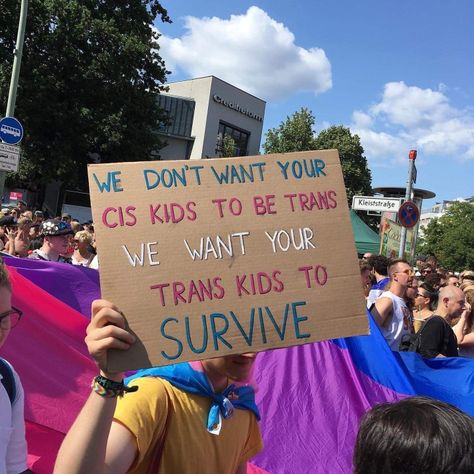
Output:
x,y
262,324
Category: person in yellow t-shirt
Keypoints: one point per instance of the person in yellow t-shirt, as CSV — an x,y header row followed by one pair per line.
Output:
x,y
161,424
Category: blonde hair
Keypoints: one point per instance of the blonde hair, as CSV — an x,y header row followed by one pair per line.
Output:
x,y
83,236
469,294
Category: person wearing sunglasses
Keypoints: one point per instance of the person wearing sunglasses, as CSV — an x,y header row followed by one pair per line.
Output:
x,y
390,310
424,303
13,449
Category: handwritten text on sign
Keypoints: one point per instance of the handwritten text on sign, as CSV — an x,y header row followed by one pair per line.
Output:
x,y
213,257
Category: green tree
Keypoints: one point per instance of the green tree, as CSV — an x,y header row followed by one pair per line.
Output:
x,y
295,134
357,175
89,79
451,238
227,146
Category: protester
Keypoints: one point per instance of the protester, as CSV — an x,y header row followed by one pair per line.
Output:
x,y
437,338
464,329
21,206
425,269
365,276
13,450
434,280
423,305
82,256
390,310
411,293
452,280
76,226
415,435
466,278
38,217
56,236
379,264
163,423
19,240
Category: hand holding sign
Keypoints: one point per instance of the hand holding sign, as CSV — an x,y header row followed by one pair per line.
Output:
x,y
226,256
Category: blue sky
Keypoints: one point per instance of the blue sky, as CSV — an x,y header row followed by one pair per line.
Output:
x,y
399,73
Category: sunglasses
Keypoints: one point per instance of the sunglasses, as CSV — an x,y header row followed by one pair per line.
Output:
x,y
10,318
407,271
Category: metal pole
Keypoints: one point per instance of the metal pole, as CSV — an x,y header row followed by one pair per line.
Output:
x,y
17,53
411,166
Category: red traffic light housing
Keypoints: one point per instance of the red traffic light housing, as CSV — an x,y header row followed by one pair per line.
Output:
x,y
412,155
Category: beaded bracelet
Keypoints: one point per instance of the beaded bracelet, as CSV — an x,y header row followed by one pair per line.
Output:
x,y
109,389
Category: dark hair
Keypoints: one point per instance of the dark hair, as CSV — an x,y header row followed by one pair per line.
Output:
x,y
433,280
431,293
364,266
416,435
379,263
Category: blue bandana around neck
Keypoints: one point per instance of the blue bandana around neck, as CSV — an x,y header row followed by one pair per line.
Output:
x,y
184,377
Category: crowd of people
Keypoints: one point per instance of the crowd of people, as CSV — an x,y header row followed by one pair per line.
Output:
x,y
425,308
207,409
26,233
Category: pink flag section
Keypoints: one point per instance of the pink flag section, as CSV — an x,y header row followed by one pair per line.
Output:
x,y
48,351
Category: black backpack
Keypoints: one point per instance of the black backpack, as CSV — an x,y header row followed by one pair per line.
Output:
x,y
412,342
8,380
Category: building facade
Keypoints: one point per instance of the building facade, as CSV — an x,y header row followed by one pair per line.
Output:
x,y
202,112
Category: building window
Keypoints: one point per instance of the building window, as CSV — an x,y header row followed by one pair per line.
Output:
x,y
239,136
180,113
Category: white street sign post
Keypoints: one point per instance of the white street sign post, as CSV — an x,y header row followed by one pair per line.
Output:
x,y
378,204
9,157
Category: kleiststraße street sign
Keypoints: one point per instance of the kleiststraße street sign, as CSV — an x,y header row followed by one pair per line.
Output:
x,y
372,203
9,157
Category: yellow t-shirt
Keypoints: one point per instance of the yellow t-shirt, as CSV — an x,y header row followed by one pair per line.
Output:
x,y
188,447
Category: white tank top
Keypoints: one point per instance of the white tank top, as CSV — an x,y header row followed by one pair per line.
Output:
x,y
399,324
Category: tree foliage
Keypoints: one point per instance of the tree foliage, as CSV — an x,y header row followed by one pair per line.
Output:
x,y
357,175
451,238
296,134
228,146
89,78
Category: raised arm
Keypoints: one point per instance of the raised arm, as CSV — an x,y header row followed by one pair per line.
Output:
x,y
464,340
382,311
95,443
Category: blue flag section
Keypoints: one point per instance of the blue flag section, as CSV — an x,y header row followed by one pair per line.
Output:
x,y
450,379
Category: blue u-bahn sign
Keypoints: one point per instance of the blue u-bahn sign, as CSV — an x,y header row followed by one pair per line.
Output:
x,y
11,130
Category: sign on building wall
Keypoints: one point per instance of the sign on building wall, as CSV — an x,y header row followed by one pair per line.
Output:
x,y
226,256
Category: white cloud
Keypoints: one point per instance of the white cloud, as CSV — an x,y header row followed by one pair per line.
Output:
x,y
252,51
409,117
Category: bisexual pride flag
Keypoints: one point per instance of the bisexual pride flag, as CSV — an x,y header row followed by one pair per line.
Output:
x,y
311,397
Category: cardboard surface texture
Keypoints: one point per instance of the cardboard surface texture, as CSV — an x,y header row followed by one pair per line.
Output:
x,y
214,257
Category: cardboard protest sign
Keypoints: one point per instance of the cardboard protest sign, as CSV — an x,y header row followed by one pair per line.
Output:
x,y
390,240
213,257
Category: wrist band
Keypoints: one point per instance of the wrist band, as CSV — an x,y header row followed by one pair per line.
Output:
x,y
109,389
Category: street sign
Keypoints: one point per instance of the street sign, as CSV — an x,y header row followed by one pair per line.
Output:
x,y
372,203
9,157
408,214
11,130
